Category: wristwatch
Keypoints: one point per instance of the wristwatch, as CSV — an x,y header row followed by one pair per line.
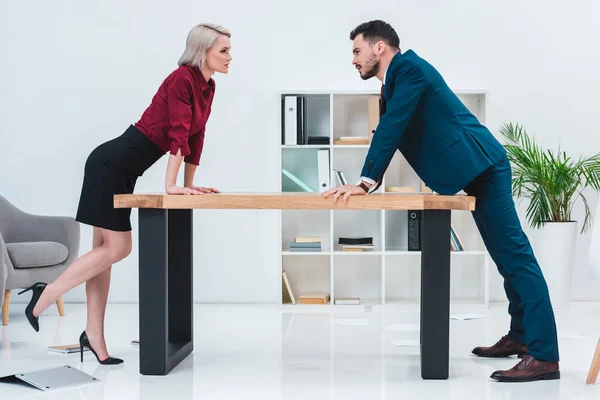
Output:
x,y
364,186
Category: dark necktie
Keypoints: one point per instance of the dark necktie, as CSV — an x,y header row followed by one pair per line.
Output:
x,y
381,103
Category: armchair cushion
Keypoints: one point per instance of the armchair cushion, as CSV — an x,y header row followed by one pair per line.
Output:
x,y
36,254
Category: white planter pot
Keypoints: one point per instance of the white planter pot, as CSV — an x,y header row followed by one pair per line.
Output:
x,y
554,251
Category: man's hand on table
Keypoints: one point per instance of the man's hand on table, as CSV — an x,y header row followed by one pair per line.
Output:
x,y
346,191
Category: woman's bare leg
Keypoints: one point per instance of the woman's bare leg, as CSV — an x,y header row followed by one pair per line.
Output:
x,y
96,290
115,247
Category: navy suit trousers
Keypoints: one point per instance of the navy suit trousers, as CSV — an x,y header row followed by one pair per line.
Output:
x,y
532,317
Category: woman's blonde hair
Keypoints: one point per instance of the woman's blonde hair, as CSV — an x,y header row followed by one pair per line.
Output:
x,y
199,40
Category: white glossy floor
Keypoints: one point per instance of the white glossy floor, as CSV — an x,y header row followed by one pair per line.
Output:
x,y
254,352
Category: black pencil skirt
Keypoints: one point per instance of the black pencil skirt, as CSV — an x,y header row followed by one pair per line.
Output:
x,y
113,168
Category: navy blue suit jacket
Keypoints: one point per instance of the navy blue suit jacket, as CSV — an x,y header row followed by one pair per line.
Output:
x,y
439,137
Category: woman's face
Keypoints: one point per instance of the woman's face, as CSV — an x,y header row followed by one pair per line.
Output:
x,y
218,56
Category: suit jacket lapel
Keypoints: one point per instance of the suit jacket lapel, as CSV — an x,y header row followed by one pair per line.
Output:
x,y
389,77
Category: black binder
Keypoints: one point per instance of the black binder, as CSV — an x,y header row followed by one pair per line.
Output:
x,y
414,230
301,133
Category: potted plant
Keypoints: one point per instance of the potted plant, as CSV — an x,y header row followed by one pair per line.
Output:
x,y
553,183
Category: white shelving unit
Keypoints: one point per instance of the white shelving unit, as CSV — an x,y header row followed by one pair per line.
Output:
x,y
389,274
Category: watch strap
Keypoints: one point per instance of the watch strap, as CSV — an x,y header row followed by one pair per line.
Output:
x,y
364,186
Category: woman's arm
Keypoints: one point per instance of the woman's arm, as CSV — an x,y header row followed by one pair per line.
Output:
x,y
191,163
190,170
196,144
171,179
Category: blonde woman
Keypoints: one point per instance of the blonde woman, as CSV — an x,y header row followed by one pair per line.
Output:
x,y
174,123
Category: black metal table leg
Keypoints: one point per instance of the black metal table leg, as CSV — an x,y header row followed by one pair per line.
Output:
x,y
435,294
165,285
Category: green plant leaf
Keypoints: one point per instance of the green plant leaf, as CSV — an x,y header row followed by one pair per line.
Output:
x,y
552,181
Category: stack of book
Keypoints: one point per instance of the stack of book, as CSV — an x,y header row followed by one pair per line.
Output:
x,y
323,140
352,140
305,244
357,243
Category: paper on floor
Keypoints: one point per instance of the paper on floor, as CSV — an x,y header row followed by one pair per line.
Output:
x,y
464,317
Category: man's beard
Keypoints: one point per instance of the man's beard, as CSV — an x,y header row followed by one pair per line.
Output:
x,y
371,68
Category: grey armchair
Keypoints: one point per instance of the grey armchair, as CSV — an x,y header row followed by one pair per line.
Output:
x,y
33,248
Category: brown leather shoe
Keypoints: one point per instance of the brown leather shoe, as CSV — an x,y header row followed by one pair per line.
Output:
x,y
505,347
527,370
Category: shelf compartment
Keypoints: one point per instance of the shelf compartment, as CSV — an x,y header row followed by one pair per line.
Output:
x,y
307,274
353,223
401,173
358,277
316,120
396,232
305,223
349,161
302,166
351,116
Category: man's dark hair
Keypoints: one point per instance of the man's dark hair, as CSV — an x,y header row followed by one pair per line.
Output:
x,y
374,31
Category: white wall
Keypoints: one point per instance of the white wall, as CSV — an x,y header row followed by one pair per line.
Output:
x,y
75,74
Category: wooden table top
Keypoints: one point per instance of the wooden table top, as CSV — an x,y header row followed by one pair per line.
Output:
x,y
296,201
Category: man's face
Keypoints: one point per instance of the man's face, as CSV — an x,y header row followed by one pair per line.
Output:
x,y
366,57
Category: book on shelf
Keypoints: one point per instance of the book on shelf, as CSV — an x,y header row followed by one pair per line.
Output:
x,y
66,348
319,140
305,244
307,239
287,292
355,240
314,298
357,247
356,243
455,242
304,249
352,140
340,177
347,300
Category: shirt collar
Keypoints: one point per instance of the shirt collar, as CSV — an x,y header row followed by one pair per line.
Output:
x,y
388,67
204,85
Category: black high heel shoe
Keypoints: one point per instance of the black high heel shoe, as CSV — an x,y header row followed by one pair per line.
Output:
x,y
37,289
84,342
